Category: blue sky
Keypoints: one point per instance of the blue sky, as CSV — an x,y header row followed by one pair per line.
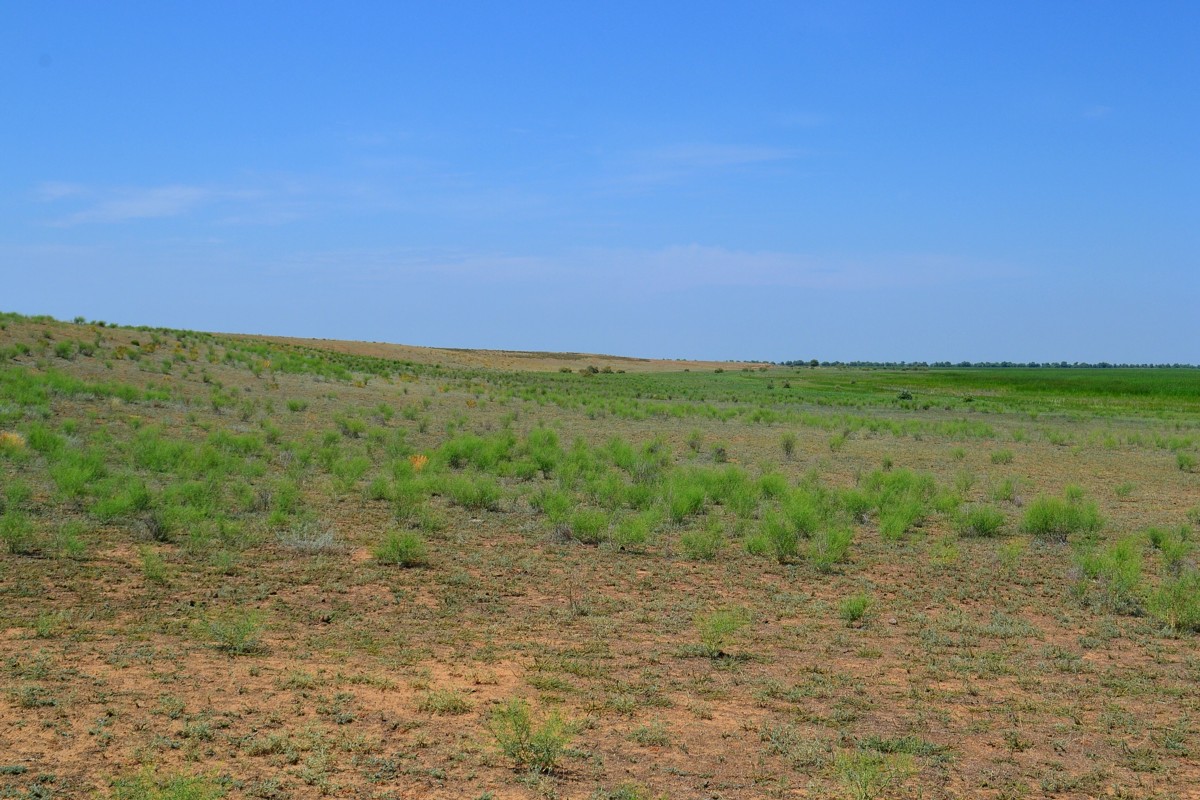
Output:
x,y
840,180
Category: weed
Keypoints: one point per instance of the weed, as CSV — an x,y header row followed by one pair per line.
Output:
x,y
1051,519
447,702
830,546
529,743
854,608
716,627
979,520
867,775
402,548
787,443
1002,457
237,632
1176,603
704,544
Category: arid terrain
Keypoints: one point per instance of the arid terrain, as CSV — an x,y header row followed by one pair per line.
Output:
x,y
239,566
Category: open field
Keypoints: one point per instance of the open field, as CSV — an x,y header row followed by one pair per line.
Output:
x,y
281,568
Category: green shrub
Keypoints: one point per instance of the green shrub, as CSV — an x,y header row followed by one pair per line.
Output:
x,y
1185,461
716,627
778,538
854,608
154,568
788,443
1052,519
979,521
402,548
1176,603
473,492
444,702
1002,457
589,526
830,546
1113,575
1175,546
16,531
703,544
528,743
237,632
633,531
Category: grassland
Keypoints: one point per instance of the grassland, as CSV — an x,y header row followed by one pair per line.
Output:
x,y
250,567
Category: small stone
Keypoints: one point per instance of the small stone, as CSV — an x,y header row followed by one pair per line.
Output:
x,y
892,621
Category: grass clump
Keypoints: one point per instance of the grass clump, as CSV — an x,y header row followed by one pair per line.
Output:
x,y
979,520
238,633
854,608
715,629
1176,603
1113,576
830,546
445,702
704,544
402,549
537,745
16,531
1053,519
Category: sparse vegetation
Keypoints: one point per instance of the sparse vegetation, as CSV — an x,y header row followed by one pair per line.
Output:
x,y
208,561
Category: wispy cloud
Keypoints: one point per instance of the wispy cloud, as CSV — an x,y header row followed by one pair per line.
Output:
x,y
599,271
683,160
707,156
1097,112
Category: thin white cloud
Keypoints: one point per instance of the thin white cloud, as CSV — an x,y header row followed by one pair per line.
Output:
x,y
707,156
683,160
143,203
49,191
1097,112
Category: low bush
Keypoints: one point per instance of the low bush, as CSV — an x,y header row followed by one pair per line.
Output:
x,y
979,520
403,549
529,743
1053,519
1176,603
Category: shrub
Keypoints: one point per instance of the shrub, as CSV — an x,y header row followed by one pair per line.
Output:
x,y
716,628
1175,546
476,493
830,546
1114,574
704,544
589,526
526,742
237,633
154,569
1002,457
16,531
402,548
788,443
1176,603
778,538
633,531
1185,461
854,608
444,702
1052,519
979,521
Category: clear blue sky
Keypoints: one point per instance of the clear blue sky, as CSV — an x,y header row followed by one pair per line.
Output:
x,y
842,180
